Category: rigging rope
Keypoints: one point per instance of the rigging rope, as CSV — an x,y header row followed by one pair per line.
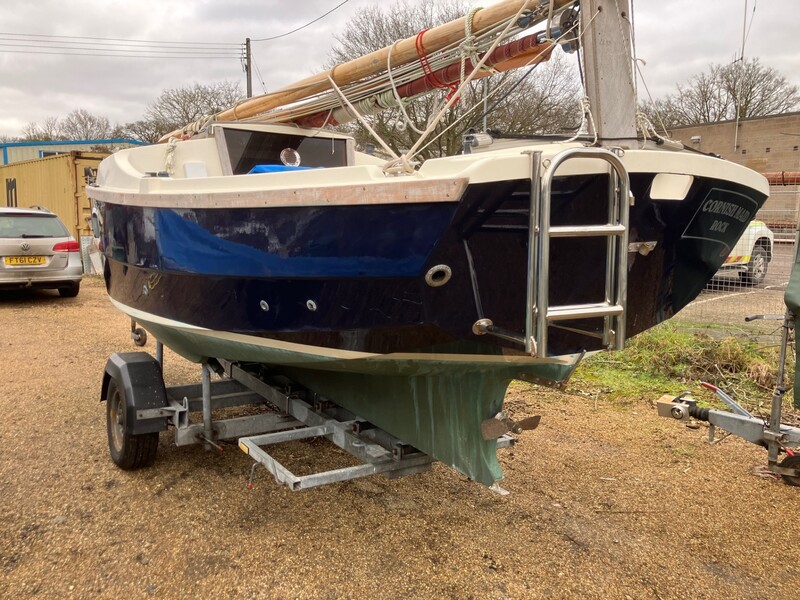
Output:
x,y
469,48
548,31
397,97
401,75
169,155
407,156
505,83
363,121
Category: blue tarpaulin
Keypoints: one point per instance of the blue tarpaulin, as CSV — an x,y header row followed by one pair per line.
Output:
x,y
275,169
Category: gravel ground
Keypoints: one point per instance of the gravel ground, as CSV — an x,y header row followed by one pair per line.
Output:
x,y
607,501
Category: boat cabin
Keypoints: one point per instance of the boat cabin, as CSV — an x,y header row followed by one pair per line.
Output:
x,y
249,148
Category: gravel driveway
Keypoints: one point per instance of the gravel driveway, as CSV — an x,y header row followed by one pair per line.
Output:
x,y
607,502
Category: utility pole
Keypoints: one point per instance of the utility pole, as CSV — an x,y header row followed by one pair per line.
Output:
x,y
248,67
739,83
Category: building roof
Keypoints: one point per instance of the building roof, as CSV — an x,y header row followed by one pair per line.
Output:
x,y
72,142
55,143
744,120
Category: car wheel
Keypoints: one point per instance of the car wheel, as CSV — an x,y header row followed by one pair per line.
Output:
x,y
757,267
71,291
128,451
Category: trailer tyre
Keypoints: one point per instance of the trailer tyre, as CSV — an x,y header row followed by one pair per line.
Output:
x,y
791,462
128,451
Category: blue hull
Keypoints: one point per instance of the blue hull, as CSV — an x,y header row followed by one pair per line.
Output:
x,y
353,277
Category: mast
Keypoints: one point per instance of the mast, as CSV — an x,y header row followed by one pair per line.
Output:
x,y
608,63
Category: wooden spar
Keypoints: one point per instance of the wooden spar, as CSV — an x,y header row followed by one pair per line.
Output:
x,y
515,54
403,52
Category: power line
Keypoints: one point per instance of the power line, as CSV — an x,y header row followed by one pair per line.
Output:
x,y
102,51
260,76
114,46
131,48
74,37
98,55
275,37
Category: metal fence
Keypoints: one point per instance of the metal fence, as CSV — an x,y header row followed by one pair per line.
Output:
x,y
740,288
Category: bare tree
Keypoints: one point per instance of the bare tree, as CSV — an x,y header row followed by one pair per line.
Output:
x,y
177,107
663,113
173,109
744,88
144,130
546,101
757,90
704,100
50,129
80,124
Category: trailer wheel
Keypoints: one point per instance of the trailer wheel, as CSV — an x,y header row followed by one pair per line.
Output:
x,y
139,337
128,451
791,462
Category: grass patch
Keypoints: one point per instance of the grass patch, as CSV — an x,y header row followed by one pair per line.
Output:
x,y
669,360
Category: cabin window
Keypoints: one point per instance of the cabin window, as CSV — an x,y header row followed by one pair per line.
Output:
x,y
794,149
767,149
744,151
247,149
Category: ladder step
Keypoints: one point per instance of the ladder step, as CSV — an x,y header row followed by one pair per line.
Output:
x,y
583,311
586,230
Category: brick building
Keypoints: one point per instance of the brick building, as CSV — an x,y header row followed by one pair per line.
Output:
x,y
764,144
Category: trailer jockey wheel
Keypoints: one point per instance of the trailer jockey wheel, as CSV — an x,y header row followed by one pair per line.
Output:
x,y
139,336
128,451
791,462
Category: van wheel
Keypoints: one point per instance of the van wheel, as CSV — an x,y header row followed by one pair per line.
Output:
x,y
757,267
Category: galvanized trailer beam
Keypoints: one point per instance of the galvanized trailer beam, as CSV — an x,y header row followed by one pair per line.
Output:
x,y
379,451
295,419
416,463
740,423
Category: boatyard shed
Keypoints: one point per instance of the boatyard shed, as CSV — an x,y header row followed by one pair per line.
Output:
x,y
57,183
13,152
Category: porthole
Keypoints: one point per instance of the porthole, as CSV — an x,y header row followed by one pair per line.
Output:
x,y
439,275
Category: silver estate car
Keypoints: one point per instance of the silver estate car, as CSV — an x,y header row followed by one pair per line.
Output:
x,y
36,250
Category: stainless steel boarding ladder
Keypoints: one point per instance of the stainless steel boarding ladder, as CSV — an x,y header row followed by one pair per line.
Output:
x,y
613,307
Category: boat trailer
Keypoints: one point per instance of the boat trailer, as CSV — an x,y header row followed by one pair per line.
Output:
x,y
777,437
140,405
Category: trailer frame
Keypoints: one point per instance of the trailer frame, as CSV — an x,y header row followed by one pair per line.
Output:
x,y
774,435
140,406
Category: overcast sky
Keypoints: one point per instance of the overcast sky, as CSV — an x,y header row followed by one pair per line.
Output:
x,y
677,39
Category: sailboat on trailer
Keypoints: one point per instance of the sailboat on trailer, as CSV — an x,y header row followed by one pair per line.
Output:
x,y
410,295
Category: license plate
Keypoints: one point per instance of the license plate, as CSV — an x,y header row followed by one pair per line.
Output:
x,y
25,260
